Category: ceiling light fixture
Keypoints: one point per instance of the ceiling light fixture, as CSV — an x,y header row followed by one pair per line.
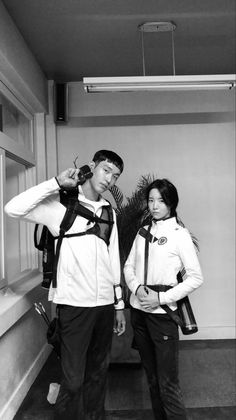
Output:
x,y
157,83
154,83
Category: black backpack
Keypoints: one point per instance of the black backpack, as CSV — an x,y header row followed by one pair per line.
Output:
x,y
102,228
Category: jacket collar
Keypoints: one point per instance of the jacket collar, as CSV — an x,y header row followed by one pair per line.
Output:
x,y
166,223
96,204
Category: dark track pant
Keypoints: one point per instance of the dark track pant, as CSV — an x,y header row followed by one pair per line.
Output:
x,y
86,336
156,337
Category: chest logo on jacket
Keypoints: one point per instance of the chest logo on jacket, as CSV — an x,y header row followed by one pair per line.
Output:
x,y
162,240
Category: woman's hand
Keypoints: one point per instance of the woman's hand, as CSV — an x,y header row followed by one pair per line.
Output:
x,y
148,299
141,292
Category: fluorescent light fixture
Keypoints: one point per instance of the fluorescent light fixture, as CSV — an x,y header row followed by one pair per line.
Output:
x,y
158,83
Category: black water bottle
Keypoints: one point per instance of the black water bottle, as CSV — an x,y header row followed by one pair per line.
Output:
x,y
188,321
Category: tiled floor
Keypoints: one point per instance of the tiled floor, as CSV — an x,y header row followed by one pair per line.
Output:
x,y
207,379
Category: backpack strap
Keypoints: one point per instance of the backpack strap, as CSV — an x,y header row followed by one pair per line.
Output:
x,y
88,214
103,227
172,314
65,225
40,245
70,198
73,209
110,220
146,253
146,234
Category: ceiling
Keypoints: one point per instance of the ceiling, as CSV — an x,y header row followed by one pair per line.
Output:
x,y
72,39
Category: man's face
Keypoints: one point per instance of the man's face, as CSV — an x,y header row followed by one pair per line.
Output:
x,y
105,175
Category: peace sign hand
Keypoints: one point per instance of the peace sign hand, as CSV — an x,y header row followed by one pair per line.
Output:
x,y
68,179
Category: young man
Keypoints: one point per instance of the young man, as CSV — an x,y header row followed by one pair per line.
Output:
x,y
88,277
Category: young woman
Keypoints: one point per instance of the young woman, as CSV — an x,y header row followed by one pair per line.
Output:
x,y
159,252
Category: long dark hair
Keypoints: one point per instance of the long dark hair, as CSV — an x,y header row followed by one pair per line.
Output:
x,y
168,193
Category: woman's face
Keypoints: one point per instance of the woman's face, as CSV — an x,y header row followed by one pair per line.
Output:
x,y
157,207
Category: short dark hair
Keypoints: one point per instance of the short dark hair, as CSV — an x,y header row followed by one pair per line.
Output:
x,y
110,156
168,193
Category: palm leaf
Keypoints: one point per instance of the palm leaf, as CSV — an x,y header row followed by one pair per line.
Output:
x,y
131,215
117,195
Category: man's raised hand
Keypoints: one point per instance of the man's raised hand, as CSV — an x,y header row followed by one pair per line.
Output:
x,y
68,179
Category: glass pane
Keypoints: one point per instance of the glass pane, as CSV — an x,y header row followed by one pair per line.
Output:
x,y
14,124
14,245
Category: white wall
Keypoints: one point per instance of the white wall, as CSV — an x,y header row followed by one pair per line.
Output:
x,y
188,137
19,69
23,346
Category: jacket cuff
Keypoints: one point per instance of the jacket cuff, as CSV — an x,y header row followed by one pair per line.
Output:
x,y
137,289
119,305
58,182
162,300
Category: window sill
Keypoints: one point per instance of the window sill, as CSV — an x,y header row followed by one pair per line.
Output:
x,y
19,298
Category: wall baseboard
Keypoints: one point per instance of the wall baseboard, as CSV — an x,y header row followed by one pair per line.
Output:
x,y
216,332
10,409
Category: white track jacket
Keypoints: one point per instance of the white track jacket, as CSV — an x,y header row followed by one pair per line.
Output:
x,y
172,250
87,269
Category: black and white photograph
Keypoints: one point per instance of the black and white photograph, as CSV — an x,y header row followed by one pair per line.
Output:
x,y
117,209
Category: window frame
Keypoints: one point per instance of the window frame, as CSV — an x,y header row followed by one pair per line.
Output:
x,y
9,148
3,280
